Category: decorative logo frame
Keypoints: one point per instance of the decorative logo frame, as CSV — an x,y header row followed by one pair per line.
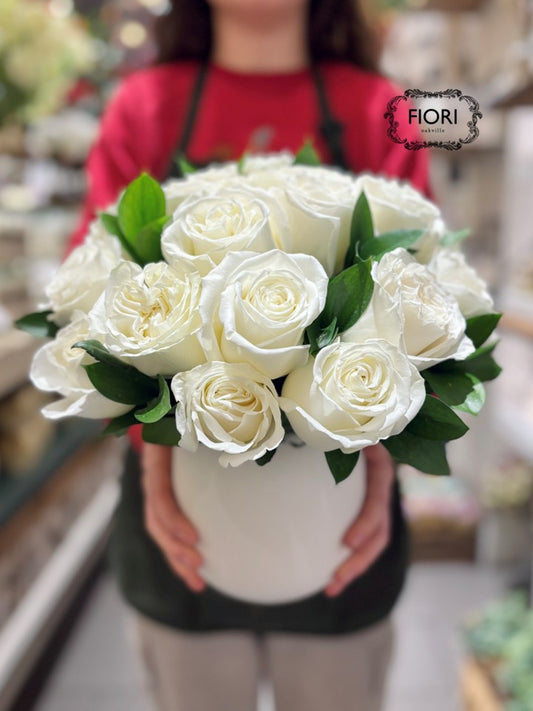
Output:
x,y
394,103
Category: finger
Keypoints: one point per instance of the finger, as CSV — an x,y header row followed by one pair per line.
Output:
x,y
193,581
172,547
359,562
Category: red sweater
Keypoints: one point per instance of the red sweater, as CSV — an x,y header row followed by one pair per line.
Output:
x,y
240,112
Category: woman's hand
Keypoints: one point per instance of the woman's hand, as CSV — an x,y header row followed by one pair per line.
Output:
x,y
369,535
165,522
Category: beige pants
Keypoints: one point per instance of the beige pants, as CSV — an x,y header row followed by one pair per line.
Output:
x,y
220,671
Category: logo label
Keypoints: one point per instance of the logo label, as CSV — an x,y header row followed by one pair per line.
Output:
x,y
444,119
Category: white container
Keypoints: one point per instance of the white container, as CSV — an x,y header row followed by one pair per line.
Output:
x,y
269,534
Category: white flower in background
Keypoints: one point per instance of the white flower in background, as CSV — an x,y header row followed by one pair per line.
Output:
x,y
352,395
203,231
201,183
263,163
319,203
57,367
83,275
150,317
433,326
398,206
228,407
460,279
256,308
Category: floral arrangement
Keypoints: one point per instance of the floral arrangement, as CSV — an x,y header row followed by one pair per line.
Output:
x,y
41,53
271,295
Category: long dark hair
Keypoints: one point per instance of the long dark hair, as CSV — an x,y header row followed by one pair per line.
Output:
x,y
337,30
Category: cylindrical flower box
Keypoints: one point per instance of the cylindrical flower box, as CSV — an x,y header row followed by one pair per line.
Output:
x,y
269,534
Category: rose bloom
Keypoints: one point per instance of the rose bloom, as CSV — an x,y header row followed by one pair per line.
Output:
x,y
228,407
459,279
433,326
352,395
57,367
200,183
398,206
204,230
82,277
151,318
256,308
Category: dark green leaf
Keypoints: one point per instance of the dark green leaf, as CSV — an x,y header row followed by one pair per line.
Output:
x,y
428,456
184,165
348,296
125,384
111,224
158,407
475,400
386,242
479,328
307,155
321,337
341,465
148,242
451,238
361,230
120,425
142,202
38,324
162,432
265,459
452,386
481,364
436,421
100,353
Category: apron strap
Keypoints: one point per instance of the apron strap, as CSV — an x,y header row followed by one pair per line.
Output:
x,y
330,128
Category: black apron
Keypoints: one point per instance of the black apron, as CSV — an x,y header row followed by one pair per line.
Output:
x,y
149,585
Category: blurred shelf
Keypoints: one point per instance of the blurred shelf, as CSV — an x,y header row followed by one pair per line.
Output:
x,y
15,491
16,351
519,95
446,5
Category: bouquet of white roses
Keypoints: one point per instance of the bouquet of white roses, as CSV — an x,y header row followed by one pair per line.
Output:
x,y
265,296
41,53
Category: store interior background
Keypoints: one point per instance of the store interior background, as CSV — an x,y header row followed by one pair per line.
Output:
x,y
64,636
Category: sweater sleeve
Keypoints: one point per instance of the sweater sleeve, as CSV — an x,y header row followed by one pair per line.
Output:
x,y
113,161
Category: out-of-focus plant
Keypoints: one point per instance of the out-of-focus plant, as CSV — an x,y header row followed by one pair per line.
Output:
x,y
502,635
41,55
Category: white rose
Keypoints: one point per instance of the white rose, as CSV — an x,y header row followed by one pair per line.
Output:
x,y
82,277
460,279
203,231
382,319
151,317
352,396
319,203
200,183
398,206
57,367
256,308
433,326
228,407
264,163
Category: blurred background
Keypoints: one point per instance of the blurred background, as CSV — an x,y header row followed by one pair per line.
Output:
x,y
465,625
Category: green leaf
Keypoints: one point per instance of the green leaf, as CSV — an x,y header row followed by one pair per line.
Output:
x,y
241,162
142,203
184,165
451,238
481,364
387,241
123,384
265,459
100,353
162,432
307,155
475,400
361,230
110,222
348,296
479,328
158,407
148,242
436,421
120,425
38,324
428,456
450,384
321,337
341,465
